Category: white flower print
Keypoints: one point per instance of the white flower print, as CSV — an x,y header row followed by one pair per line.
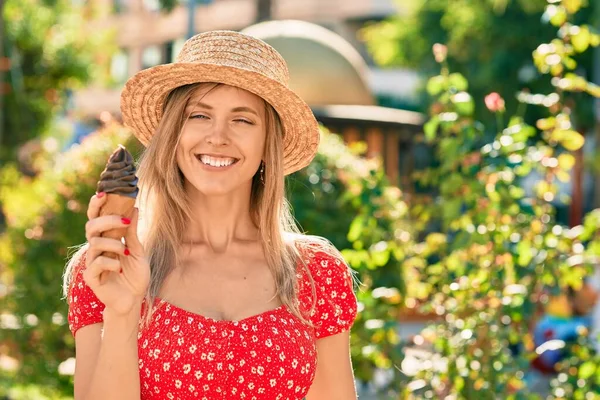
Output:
x,y
269,356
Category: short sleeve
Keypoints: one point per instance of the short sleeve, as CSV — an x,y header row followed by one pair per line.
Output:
x,y
335,307
84,307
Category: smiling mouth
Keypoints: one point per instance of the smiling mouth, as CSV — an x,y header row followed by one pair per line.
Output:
x,y
218,162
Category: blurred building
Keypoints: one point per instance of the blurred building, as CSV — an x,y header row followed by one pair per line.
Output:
x,y
329,67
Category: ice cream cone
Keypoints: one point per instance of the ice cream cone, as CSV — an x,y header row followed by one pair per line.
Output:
x,y
119,182
117,205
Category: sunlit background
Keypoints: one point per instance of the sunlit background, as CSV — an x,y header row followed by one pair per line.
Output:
x,y
459,173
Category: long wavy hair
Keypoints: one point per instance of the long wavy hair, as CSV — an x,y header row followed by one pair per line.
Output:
x,y
165,210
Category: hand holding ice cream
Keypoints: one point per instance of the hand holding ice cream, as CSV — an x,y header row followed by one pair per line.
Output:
x,y
117,269
119,182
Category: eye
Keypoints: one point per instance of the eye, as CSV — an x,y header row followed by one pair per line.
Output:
x,y
245,121
198,116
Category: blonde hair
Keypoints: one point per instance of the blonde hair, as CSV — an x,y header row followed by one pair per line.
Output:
x,y
165,209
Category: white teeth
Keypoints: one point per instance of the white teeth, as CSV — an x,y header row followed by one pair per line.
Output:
x,y
216,162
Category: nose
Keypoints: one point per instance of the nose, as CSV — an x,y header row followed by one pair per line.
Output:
x,y
218,135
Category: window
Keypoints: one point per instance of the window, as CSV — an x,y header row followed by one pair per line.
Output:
x,y
173,49
152,5
119,67
151,56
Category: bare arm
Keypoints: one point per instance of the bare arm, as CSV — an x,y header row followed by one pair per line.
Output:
x,y
334,379
107,362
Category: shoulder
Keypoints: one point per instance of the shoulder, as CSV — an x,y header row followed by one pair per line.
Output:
x,y
326,286
84,307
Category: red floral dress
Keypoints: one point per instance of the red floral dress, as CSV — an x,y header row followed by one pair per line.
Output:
x,y
271,355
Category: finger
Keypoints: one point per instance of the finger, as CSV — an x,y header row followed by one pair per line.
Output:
x,y
96,226
91,275
98,245
131,237
95,204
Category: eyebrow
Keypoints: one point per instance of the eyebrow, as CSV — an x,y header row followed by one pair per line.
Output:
x,y
236,109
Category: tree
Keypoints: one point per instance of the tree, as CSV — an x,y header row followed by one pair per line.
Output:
x,y
490,252
489,41
48,54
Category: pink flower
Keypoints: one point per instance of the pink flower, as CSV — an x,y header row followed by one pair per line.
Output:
x,y
440,52
494,102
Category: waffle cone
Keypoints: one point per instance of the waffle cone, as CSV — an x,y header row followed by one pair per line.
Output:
x,y
117,205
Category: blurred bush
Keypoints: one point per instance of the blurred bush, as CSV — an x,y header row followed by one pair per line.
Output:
x,y
45,216
49,51
491,252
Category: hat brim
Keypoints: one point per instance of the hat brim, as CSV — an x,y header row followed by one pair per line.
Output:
x,y
144,94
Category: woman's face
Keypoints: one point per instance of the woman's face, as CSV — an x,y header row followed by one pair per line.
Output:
x,y
222,142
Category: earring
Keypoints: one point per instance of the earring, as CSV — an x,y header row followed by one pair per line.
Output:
x,y
262,172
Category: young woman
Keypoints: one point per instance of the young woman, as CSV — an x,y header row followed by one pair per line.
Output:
x,y
221,297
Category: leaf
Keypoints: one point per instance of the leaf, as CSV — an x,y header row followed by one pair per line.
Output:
x,y
566,161
587,369
464,103
525,253
572,6
356,228
581,39
436,84
458,81
545,124
557,15
380,258
430,128
572,140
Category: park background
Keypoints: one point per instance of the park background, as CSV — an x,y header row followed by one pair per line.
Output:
x,y
459,173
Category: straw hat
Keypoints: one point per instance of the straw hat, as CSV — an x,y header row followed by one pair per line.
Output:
x,y
234,59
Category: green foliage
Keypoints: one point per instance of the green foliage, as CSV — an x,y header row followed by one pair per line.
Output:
x,y
489,41
348,200
495,250
45,217
51,51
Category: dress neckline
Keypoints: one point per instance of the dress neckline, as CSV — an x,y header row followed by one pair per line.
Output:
x,y
273,311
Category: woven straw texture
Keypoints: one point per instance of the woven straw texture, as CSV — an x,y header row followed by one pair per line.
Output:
x,y
233,59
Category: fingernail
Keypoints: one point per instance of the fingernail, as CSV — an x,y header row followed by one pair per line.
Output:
x,y
100,195
126,252
126,221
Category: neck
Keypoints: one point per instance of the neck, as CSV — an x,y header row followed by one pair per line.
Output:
x,y
220,221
